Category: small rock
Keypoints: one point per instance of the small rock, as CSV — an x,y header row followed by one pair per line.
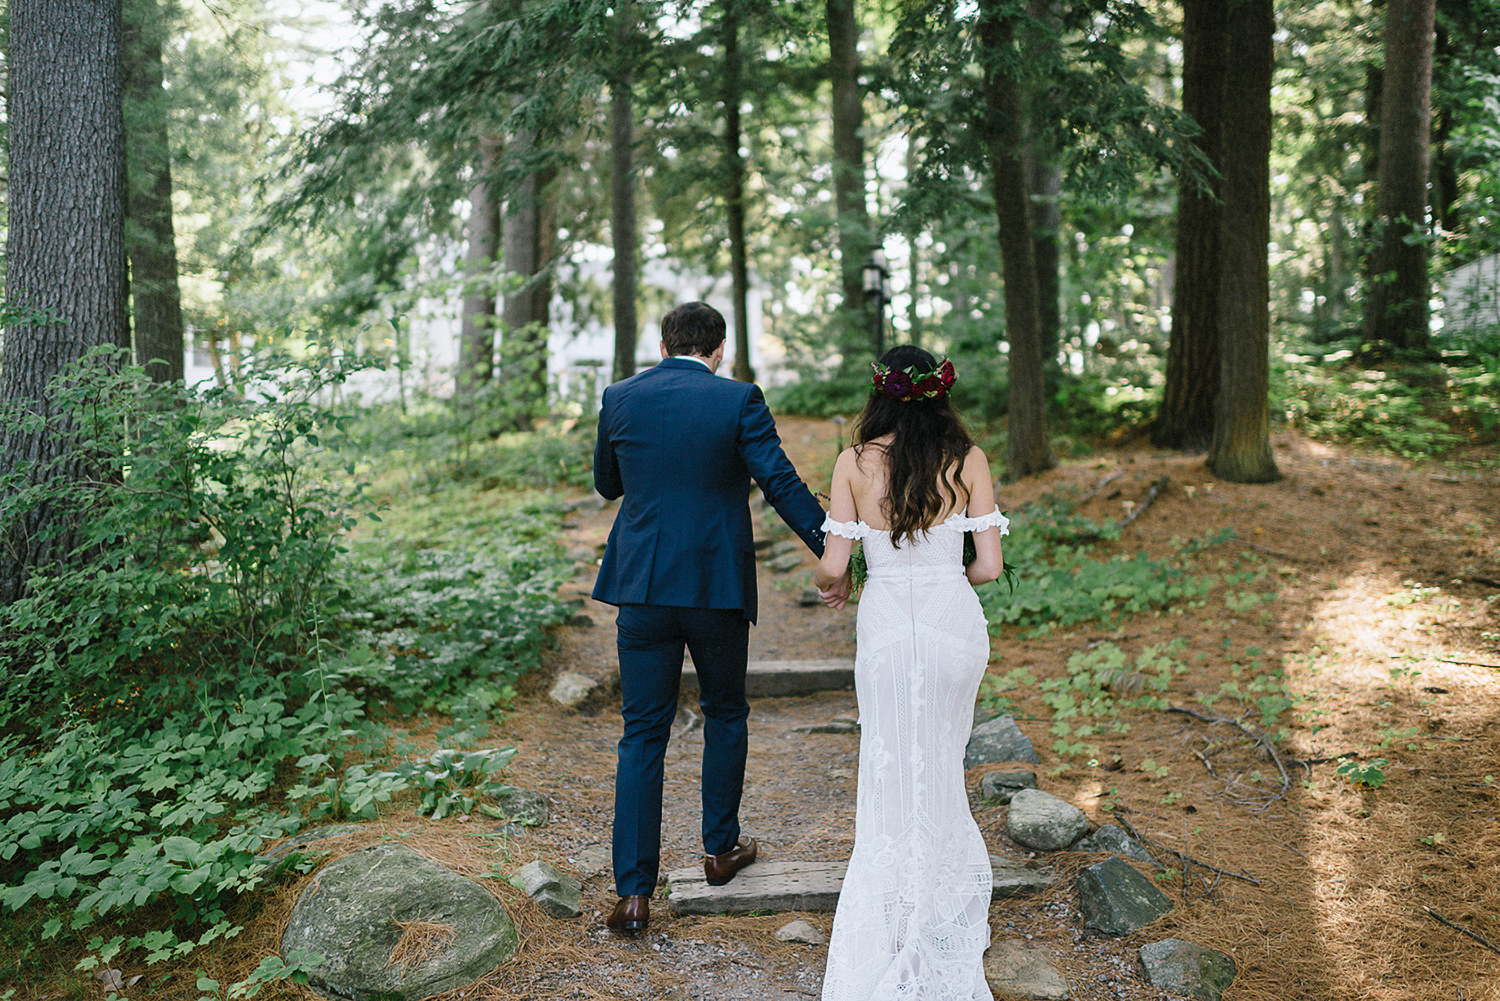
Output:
x,y
998,740
833,726
1116,899
582,554
570,689
1112,840
554,891
1001,787
592,860
581,621
785,563
522,806
1041,821
800,931
810,598
1024,971
1184,968
840,773
1010,880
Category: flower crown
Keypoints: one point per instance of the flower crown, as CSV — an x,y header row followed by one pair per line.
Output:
x,y
909,384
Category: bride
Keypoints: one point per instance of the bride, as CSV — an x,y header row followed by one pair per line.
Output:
x,y
912,918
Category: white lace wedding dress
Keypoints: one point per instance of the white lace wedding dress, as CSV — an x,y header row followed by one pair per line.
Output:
x,y
912,918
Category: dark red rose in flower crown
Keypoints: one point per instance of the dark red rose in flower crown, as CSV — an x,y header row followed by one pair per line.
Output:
x,y
898,385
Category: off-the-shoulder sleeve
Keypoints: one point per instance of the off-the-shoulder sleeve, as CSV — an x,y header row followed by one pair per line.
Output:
x,y
994,519
855,530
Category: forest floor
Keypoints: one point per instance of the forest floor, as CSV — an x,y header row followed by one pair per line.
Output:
x,y
1375,619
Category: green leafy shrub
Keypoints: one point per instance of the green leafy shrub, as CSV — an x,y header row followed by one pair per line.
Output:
x,y
1062,584
189,687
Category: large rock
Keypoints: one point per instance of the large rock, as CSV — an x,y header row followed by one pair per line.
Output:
x,y
352,914
1116,899
998,740
1022,970
1184,968
1041,821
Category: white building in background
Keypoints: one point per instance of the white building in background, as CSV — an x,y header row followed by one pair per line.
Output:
x,y
580,350
1471,295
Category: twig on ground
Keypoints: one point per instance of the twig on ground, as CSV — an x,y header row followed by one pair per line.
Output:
x,y
1482,579
1186,860
1462,930
1260,739
1100,486
1466,663
1151,495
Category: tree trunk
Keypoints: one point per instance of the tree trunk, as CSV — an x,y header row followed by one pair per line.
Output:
x,y
529,236
622,200
1396,309
1028,451
1186,420
151,244
476,344
1241,450
1045,180
65,247
734,165
849,171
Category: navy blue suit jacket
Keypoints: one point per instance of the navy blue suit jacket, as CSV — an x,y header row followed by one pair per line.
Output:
x,y
680,446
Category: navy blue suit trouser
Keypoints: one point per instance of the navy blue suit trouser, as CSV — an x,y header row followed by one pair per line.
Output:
x,y
651,640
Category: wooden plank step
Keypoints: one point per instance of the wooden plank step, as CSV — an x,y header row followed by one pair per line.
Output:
x,y
771,678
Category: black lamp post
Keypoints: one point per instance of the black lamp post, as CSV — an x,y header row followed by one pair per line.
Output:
x,y
878,290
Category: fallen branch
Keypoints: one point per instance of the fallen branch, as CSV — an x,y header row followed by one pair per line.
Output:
x,y
1100,486
1462,930
1260,739
1482,579
1466,663
1186,860
1151,495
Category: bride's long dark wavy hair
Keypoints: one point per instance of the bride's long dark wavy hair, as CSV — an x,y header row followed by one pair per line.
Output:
x,y
926,453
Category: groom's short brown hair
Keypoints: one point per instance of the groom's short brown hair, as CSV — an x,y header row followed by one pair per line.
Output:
x,y
694,328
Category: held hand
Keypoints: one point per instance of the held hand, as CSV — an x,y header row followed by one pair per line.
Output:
x,y
836,595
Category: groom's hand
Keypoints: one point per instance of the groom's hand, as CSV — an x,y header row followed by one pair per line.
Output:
x,y
836,595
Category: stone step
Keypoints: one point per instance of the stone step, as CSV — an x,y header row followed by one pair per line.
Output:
x,y
771,678
806,886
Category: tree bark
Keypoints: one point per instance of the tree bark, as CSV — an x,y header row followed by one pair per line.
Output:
x,y
1241,449
1045,180
530,233
476,344
1028,450
1396,309
151,243
65,248
1186,420
849,170
622,199
734,167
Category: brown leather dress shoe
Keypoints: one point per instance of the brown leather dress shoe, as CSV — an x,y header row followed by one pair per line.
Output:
x,y
630,914
720,869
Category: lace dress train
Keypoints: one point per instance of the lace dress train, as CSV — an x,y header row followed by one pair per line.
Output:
x,y
912,918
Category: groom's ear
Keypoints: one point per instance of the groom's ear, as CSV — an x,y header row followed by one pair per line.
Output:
x,y
663,346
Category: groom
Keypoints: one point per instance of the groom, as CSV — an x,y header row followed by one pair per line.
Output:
x,y
681,447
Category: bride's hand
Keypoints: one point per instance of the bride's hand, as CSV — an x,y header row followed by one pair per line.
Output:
x,y
836,595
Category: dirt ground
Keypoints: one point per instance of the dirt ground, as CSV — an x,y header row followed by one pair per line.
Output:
x,y
1383,580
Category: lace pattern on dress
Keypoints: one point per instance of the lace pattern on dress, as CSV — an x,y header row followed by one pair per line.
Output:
x,y
855,530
